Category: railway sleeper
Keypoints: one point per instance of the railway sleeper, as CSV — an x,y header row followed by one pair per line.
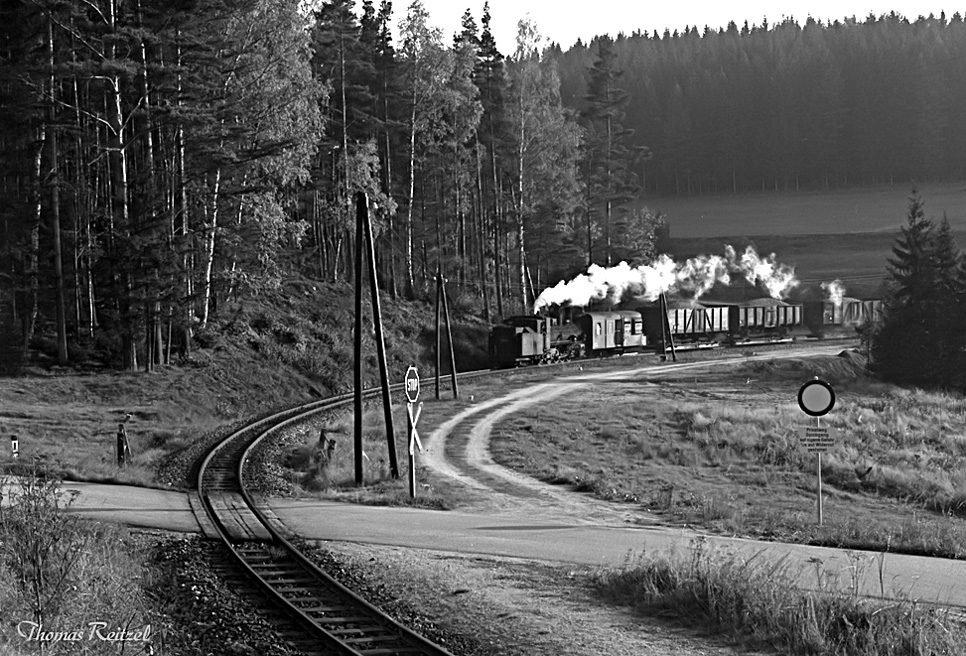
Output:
x,y
365,629
323,610
361,641
355,619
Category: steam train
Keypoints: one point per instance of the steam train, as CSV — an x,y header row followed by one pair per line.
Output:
x,y
542,338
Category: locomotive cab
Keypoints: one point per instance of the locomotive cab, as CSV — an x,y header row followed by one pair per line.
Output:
x,y
520,340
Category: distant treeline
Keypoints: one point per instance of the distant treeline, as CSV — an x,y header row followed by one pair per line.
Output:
x,y
791,106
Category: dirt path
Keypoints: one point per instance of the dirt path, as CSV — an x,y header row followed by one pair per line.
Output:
x,y
541,613
459,448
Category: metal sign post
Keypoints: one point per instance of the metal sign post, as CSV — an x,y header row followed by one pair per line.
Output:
x,y
816,398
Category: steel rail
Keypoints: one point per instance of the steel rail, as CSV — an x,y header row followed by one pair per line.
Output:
x,y
341,621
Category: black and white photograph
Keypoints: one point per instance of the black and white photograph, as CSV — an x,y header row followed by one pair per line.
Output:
x,y
494,328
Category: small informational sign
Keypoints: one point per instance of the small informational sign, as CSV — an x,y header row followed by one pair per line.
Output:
x,y
412,384
14,446
816,398
817,439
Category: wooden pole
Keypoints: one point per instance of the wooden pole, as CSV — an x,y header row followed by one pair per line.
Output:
x,y
439,292
449,339
380,341
361,214
666,328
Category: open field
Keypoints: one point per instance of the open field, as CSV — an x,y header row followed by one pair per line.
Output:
x,y
844,234
870,209
706,450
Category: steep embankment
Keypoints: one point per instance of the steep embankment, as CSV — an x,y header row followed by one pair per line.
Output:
x,y
259,354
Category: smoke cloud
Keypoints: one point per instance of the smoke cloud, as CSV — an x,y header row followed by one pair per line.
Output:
x,y
696,275
834,291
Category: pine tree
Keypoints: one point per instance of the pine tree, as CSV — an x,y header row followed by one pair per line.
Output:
x,y
607,161
919,341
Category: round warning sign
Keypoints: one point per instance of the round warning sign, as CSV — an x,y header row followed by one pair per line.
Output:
x,y
816,398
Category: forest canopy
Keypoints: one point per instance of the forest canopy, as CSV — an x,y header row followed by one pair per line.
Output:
x,y
160,158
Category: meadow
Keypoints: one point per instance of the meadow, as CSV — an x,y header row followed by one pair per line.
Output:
x,y
867,209
839,234
702,449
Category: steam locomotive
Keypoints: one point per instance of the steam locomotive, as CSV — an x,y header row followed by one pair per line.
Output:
x,y
535,339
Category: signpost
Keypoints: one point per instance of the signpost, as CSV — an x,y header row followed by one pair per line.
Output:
x,y
816,398
14,447
412,395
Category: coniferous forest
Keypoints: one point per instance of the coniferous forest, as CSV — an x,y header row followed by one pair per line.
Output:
x,y
797,105
160,158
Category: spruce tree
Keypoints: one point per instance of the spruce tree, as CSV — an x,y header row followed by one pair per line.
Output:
x,y
919,341
607,160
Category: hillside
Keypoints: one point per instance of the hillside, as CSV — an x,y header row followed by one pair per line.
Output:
x,y
262,353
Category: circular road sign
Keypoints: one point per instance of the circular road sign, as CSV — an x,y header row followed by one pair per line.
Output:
x,y
816,398
412,384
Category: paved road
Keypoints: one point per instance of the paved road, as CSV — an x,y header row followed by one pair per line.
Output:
x,y
911,577
127,504
526,519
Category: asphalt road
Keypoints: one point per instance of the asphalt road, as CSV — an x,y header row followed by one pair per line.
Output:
x,y
526,519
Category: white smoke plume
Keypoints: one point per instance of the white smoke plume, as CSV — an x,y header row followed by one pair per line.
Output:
x,y
834,291
696,275
778,279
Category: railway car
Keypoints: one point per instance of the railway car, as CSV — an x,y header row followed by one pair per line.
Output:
x,y
765,318
840,319
606,333
689,321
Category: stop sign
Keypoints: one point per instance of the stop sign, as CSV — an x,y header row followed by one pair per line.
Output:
x,y
412,384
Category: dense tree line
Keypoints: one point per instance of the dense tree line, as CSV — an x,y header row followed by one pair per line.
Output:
x,y
158,158
790,106
921,341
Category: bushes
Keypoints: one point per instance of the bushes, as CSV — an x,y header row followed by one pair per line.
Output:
x,y
63,573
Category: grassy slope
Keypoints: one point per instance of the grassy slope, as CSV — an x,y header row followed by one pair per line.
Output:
x,y
262,354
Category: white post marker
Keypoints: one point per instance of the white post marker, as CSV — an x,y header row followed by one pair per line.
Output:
x,y
14,447
411,384
816,398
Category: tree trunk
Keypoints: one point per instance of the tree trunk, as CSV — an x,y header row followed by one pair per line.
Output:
x,y
60,309
481,238
210,250
410,277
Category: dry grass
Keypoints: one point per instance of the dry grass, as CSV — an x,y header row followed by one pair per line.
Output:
x,y
703,450
62,572
311,473
758,601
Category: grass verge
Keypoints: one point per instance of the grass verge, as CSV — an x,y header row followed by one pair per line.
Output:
x,y
757,602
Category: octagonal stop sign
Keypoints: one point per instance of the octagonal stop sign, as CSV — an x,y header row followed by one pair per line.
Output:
x,y
816,398
412,384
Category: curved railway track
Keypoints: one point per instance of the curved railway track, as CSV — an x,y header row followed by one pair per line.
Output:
x,y
312,611
322,616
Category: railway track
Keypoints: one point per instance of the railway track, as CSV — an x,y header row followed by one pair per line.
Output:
x,y
312,611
